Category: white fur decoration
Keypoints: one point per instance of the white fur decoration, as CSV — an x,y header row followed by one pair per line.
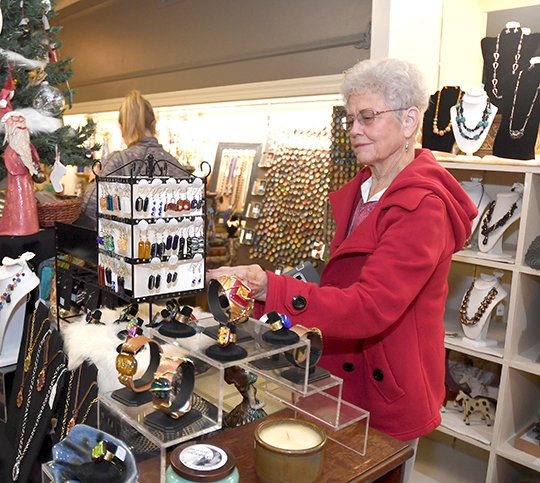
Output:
x,y
97,345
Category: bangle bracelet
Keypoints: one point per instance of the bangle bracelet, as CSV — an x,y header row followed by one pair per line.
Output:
x,y
298,356
226,336
173,386
229,299
126,363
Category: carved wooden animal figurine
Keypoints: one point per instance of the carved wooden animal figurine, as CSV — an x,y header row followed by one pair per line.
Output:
x,y
471,405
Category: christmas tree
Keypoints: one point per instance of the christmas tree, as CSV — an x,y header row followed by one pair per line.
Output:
x,y
35,82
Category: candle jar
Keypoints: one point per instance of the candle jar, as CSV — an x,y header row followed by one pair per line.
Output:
x,y
289,451
201,462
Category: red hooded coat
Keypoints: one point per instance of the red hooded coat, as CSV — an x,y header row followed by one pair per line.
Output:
x,y
381,300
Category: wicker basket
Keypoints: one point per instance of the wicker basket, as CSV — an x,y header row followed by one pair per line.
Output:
x,y
51,208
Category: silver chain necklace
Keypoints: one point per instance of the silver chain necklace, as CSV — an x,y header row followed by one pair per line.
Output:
x,y
21,451
496,56
518,133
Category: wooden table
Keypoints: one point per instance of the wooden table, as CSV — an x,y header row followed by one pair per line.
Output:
x,y
383,462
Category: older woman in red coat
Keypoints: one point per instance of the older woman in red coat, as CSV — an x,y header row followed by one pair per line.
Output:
x,y
381,299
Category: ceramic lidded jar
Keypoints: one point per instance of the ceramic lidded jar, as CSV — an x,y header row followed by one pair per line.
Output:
x,y
201,462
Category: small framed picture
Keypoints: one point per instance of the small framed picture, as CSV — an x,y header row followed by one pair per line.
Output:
x,y
247,236
254,210
259,187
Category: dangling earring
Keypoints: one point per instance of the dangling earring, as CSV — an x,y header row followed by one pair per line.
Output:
x,y
407,146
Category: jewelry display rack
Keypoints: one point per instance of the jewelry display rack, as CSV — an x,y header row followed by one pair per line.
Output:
x,y
488,452
151,231
320,401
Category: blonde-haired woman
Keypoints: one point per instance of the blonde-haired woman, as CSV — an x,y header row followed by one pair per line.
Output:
x,y
138,127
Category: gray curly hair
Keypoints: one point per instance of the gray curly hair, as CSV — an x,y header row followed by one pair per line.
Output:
x,y
401,83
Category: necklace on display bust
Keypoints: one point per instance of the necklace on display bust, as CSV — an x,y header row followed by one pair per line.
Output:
x,y
487,228
518,133
471,321
5,298
480,127
448,128
496,56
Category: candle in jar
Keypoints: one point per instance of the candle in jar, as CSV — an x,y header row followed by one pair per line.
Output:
x,y
291,435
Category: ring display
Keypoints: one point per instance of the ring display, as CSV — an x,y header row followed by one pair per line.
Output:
x,y
226,336
299,356
229,299
173,386
126,363
276,321
109,452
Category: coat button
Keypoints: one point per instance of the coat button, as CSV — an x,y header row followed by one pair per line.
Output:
x,y
348,366
299,302
378,375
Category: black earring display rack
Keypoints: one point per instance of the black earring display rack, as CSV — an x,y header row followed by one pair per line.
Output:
x,y
151,231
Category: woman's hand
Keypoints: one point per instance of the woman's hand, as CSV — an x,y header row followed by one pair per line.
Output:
x,y
253,275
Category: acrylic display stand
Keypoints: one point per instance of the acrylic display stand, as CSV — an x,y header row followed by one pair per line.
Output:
x,y
321,401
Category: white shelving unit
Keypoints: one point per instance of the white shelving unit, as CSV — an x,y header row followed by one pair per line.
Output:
x,y
488,453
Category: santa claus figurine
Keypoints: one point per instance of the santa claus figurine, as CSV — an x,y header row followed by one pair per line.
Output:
x,y
20,216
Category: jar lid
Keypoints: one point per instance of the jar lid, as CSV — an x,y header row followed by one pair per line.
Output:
x,y
202,462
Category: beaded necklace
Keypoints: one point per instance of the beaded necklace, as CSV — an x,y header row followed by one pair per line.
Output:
x,y
5,298
480,127
518,133
472,321
448,128
487,228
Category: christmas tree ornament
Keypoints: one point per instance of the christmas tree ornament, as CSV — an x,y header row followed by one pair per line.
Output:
x,y
57,173
49,100
36,76
6,94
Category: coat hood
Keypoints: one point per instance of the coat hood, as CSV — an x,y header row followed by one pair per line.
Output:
x,y
422,177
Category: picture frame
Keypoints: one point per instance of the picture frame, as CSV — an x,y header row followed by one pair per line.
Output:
x,y
259,187
254,210
233,172
247,236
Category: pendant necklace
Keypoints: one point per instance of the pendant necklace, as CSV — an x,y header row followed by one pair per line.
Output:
x,y
448,128
33,341
487,228
496,56
518,133
22,447
480,127
472,321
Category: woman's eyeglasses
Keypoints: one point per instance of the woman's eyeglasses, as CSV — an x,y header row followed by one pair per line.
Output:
x,y
365,117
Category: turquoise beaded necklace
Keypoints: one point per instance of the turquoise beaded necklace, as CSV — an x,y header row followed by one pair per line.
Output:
x,y
474,133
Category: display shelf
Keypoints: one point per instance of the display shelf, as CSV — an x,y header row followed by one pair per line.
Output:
x,y
46,472
480,259
508,451
255,347
515,328
476,433
503,470
443,457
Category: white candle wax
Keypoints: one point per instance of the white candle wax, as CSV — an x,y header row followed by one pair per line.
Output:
x,y
290,436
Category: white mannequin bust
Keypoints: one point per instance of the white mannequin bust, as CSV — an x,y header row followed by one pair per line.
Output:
x,y
491,243
476,191
474,103
476,333
12,314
